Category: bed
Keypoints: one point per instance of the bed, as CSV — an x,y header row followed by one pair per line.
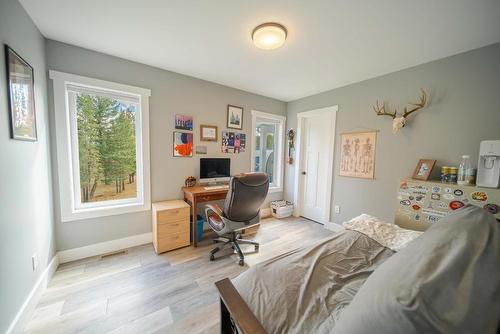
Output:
x,y
375,278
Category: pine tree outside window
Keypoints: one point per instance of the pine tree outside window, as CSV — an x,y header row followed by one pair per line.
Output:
x,y
103,146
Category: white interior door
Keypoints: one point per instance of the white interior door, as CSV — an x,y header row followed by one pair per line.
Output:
x,y
316,165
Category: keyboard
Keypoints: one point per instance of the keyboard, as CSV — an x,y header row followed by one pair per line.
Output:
x,y
225,186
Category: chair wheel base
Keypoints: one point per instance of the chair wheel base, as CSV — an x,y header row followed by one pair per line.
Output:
x,y
256,248
212,257
241,262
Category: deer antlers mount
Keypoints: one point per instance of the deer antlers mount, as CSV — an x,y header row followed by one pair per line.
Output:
x,y
400,121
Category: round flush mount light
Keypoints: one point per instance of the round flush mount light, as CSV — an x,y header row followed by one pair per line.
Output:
x,y
269,36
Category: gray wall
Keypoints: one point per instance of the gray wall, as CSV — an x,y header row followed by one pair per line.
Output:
x,y
171,93
464,108
26,219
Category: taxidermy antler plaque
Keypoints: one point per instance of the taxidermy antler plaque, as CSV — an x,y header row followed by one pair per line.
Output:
x,y
399,121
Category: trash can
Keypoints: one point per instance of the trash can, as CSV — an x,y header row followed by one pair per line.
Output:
x,y
199,229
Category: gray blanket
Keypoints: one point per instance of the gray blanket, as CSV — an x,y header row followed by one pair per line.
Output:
x,y
304,290
446,281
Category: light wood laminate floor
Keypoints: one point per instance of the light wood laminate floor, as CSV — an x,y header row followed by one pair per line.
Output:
x,y
140,292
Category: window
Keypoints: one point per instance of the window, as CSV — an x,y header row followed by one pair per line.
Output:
x,y
102,146
267,150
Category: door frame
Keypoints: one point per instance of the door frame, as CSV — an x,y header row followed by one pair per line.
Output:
x,y
298,187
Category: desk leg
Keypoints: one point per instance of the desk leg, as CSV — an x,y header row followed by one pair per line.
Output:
x,y
194,226
195,222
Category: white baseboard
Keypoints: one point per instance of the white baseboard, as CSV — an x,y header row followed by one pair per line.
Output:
x,y
26,311
265,212
104,247
334,227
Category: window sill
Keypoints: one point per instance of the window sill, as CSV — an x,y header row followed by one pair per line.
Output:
x,y
275,190
97,212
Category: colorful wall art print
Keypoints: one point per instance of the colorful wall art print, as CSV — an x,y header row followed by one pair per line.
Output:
x,y
357,154
233,142
183,144
183,122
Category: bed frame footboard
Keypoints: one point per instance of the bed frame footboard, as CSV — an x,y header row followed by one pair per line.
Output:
x,y
235,315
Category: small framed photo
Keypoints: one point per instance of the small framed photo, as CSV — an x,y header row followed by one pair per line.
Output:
x,y
234,117
208,133
20,90
184,122
423,169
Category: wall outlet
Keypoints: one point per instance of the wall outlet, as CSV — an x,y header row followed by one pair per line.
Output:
x,y
34,261
337,208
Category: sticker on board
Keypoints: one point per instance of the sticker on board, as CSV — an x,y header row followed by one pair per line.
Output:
x,y
405,202
434,212
436,190
458,192
432,219
479,196
492,208
416,207
456,205
448,196
436,197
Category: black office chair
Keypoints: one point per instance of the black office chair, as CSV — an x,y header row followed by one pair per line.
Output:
x,y
246,194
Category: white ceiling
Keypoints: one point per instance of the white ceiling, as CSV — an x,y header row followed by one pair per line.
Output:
x,y
330,43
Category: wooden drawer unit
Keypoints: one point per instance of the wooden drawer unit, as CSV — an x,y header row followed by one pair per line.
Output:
x,y
170,225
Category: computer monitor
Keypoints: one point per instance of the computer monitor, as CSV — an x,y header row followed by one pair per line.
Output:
x,y
214,170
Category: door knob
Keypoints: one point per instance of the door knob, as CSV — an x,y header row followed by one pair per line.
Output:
x,y
303,173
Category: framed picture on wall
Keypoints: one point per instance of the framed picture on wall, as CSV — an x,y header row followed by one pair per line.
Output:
x,y
423,169
20,90
208,133
357,154
234,117
184,122
183,144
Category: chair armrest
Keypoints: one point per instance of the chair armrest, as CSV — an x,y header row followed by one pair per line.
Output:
x,y
214,208
235,310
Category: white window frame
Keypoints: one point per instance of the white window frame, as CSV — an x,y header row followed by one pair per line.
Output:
x,y
277,185
65,125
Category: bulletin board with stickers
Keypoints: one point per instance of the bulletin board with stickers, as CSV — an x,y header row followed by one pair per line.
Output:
x,y
422,203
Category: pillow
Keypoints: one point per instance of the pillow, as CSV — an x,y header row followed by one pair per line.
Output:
x,y
446,281
388,235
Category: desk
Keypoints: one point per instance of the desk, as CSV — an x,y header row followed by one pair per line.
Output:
x,y
196,195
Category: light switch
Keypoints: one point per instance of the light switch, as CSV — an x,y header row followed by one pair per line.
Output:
x,y
34,261
337,208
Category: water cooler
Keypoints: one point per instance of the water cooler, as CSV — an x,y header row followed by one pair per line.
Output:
x,y
488,166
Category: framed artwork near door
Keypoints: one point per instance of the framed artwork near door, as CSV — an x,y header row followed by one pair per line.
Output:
x,y
357,154
234,117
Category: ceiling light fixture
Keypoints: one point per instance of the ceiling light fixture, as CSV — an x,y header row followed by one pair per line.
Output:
x,y
269,36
